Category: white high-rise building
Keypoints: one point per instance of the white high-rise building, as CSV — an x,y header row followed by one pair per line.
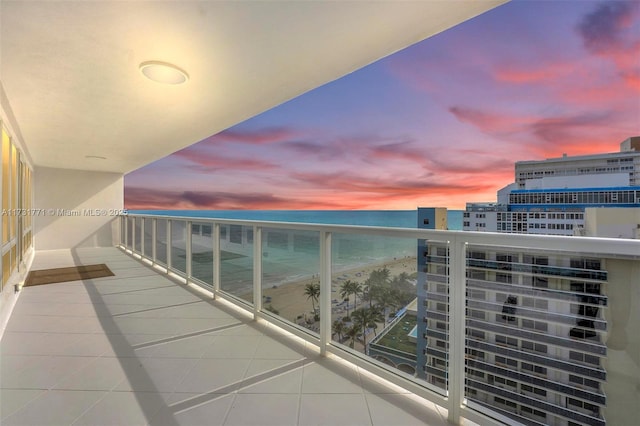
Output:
x,y
550,196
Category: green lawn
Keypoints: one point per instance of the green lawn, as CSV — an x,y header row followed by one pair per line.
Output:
x,y
397,338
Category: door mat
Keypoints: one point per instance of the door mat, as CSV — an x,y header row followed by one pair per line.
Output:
x,y
74,273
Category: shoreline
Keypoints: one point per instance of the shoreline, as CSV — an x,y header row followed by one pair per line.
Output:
x,y
290,301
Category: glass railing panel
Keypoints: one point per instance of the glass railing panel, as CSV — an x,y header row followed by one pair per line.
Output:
x,y
179,245
291,275
380,305
129,242
536,341
161,241
202,252
236,261
138,234
148,237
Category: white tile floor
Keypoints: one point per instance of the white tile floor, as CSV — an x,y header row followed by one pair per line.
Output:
x,y
138,349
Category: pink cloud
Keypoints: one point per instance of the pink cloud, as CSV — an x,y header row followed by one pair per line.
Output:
x,y
209,161
610,32
256,137
489,122
532,74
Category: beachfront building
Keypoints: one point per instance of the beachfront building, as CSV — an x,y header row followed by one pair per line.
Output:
x,y
550,196
540,337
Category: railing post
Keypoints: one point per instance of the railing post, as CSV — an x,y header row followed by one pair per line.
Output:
x,y
325,291
154,242
169,242
126,233
133,236
216,259
188,237
457,315
257,270
142,222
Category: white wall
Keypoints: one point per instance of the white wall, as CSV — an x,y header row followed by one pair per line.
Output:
x,y
612,222
600,180
503,193
68,198
623,342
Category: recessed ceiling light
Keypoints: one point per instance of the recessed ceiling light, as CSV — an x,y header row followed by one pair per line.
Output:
x,y
163,72
95,157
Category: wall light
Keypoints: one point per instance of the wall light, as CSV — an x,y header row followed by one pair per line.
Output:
x,y
163,72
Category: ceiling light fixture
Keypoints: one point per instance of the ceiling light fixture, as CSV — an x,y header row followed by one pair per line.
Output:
x,y
163,72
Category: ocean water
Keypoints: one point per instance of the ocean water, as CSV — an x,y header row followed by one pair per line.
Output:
x,y
289,256
391,218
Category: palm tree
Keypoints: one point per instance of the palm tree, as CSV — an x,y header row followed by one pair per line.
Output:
x,y
338,328
366,317
312,291
352,332
380,276
384,301
347,289
356,289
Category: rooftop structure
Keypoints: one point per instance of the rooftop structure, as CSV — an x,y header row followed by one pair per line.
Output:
x,y
550,196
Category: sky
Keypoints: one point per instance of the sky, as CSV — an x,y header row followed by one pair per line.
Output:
x,y
440,123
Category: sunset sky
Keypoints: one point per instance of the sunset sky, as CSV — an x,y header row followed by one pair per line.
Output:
x,y
440,123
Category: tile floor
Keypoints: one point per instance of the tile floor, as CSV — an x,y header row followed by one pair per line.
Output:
x,y
138,349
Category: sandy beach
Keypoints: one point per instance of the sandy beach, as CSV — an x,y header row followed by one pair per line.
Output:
x,y
290,301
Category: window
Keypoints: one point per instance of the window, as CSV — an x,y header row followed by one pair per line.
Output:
x,y
504,402
532,346
476,294
585,358
531,411
534,390
584,381
473,313
506,361
594,409
476,373
475,353
534,325
439,362
507,341
534,368
503,278
476,333
506,382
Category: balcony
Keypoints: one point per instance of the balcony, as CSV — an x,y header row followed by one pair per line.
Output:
x,y
235,321
140,348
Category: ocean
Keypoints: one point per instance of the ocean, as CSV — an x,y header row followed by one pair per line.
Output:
x,y
289,256
391,218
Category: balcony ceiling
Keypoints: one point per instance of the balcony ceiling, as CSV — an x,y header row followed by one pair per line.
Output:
x,y
70,69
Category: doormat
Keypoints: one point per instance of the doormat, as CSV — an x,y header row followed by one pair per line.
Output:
x,y
74,273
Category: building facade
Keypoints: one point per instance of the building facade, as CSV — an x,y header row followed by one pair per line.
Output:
x,y
535,348
550,196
